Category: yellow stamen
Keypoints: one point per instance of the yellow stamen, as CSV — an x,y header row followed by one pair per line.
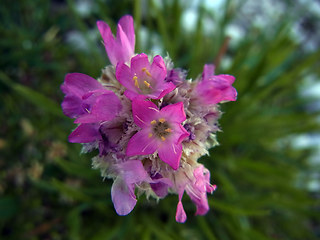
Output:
x,y
136,83
135,78
168,130
153,122
163,138
162,120
150,135
146,71
146,83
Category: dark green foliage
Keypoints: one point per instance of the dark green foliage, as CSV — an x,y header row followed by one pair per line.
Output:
x,y
49,191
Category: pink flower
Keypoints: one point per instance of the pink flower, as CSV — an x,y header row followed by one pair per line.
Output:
x,y
161,131
90,103
122,192
197,188
121,48
142,79
213,89
129,174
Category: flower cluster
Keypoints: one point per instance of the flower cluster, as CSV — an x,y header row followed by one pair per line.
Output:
x,y
149,123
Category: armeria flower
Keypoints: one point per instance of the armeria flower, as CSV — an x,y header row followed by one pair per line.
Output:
x,y
213,89
197,187
142,79
90,103
121,48
161,131
128,174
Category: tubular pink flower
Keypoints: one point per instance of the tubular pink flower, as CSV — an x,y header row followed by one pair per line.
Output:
x,y
142,79
213,89
121,48
122,191
88,102
197,189
161,131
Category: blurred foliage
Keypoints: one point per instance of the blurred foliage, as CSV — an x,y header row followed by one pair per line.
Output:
x,y
49,191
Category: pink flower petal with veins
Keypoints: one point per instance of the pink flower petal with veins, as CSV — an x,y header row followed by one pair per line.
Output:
x,y
170,154
85,133
144,112
175,112
142,144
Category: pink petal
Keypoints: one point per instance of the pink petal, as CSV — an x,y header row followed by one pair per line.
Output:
x,y
133,172
215,90
79,84
174,112
160,185
109,41
208,71
85,133
141,144
228,78
168,87
126,23
125,51
120,49
181,216
158,68
72,106
202,206
123,197
139,62
125,76
170,153
144,112
181,132
104,109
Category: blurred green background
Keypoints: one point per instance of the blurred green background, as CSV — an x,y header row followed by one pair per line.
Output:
x,y
267,164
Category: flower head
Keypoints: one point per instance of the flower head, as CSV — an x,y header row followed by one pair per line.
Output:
x,y
142,79
121,48
161,131
213,89
149,122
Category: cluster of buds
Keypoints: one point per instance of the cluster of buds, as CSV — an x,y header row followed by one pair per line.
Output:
x,y
149,123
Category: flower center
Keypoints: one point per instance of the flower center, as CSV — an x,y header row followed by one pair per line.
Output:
x,y
160,129
143,84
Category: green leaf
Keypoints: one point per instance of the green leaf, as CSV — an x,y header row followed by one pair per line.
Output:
x,y
33,96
